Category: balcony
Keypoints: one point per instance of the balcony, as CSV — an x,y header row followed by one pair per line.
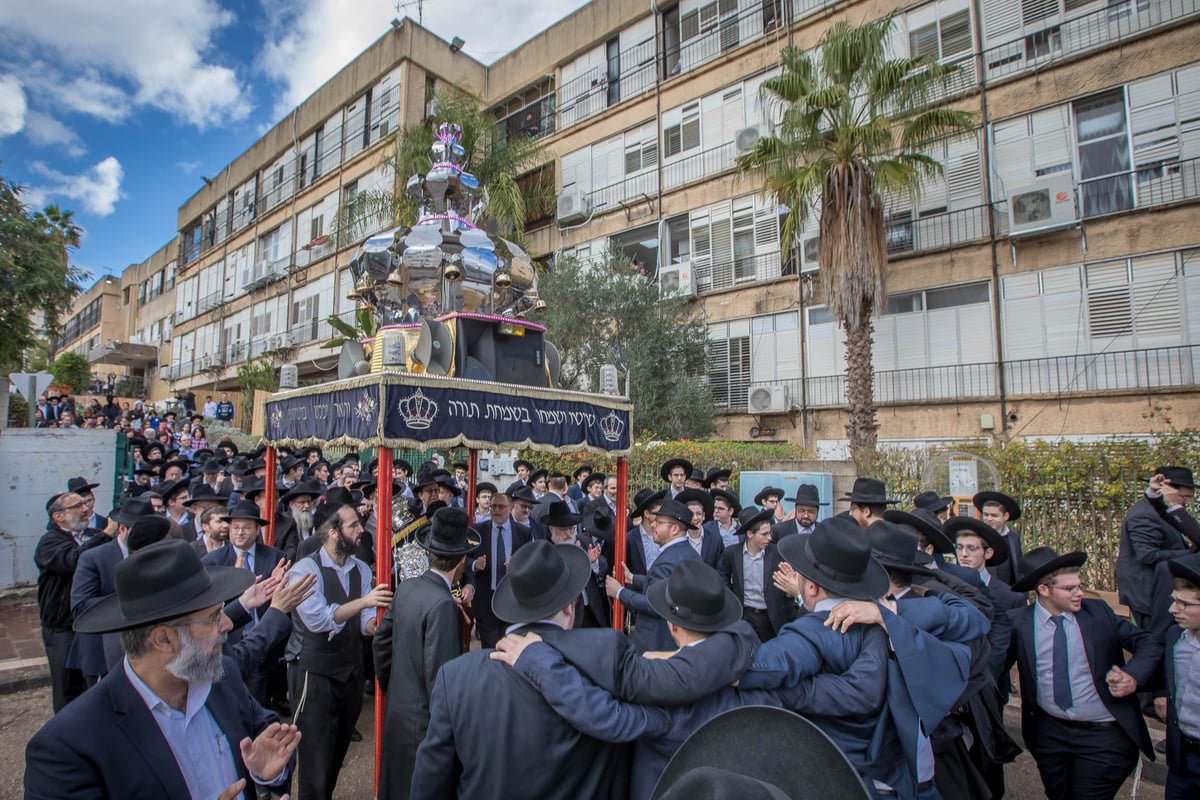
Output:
x,y
944,229
734,272
700,165
1160,183
604,85
721,35
208,302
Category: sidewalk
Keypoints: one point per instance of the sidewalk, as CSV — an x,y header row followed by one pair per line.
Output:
x,y
22,657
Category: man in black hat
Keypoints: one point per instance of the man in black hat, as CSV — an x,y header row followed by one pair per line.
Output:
x,y
671,522
640,547
578,490
748,568
717,478
592,609
81,486
475,699
295,523
997,510
57,557
804,513
556,492
938,505
291,471
675,472
1180,709
868,500
695,480
724,505
175,496
212,473
331,625
199,499
706,542
215,528
593,493
499,538
420,631
523,503
1148,537
175,720
770,498
1079,716
523,468
484,492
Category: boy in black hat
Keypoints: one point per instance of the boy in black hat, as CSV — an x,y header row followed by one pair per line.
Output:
x,y
675,472
868,500
523,469
725,505
997,510
578,490
1180,709
420,631
748,568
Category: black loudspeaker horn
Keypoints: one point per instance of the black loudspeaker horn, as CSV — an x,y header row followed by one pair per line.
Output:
x,y
435,348
553,364
353,361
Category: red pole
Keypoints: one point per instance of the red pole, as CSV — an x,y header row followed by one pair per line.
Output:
x,y
269,492
383,574
619,544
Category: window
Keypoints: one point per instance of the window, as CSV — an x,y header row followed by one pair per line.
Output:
x,y
1104,157
684,135
728,363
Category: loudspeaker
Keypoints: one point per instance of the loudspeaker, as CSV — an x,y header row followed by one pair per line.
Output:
x,y
353,361
487,350
553,364
435,348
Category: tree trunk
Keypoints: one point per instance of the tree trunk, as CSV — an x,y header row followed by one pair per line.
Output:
x,y
860,396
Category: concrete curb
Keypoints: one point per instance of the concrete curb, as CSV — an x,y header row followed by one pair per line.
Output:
x,y
19,681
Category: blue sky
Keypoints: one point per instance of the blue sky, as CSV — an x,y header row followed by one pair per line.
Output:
x,y
115,109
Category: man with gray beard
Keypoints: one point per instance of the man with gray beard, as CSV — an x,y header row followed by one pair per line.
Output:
x,y
295,524
175,720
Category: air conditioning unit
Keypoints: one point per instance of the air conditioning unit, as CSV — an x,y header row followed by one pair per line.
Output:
x,y
746,138
676,281
808,254
574,207
1044,206
768,400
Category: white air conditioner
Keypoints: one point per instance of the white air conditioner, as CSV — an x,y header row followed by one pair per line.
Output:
x,y
808,254
1044,206
574,207
768,399
676,281
746,138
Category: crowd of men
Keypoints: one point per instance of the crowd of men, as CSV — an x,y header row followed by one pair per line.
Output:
x,y
177,638
135,419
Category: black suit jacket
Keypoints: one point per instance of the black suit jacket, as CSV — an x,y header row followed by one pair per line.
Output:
x,y
1174,741
635,556
56,557
106,744
265,558
410,647
481,606
464,753
651,632
1105,637
782,529
1008,571
1147,537
95,577
732,571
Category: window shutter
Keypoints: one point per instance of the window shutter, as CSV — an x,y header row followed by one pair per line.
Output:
x,y
1157,315
1051,140
1110,315
1001,21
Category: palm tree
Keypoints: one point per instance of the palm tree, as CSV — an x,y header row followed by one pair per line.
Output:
x,y
495,159
852,127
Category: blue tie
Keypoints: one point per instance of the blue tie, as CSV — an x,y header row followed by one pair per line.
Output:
x,y
248,563
1062,671
501,570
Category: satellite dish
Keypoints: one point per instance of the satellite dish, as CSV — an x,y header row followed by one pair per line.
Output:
x,y
435,348
353,361
553,364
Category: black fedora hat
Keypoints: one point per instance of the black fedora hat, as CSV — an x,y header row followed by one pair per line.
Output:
x,y
169,489
1040,562
837,557
665,469
291,462
580,470
448,533
729,497
695,598
673,509
1010,505
808,495
340,495
559,515
522,493
244,509
161,582
792,755
768,491
749,517
645,499
146,468
80,485
253,486
894,547
932,502
598,521
485,486
239,467
716,474
869,491
212,466
402,465
700,496
446,481
205,494
302,489
147,531
542,579
1181,570
537,474
520,462
925,523
593,477
1177,476
696,476
131,511
461,465
959,525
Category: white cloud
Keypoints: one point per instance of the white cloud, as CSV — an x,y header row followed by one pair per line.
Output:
x,y
98,188
188,167
12,105
44,130
107,57
310,40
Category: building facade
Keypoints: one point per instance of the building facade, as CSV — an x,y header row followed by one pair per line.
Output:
x,y
1046,284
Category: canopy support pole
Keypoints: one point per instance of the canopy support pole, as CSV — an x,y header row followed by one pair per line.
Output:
x,y
618,618
270,493
383,575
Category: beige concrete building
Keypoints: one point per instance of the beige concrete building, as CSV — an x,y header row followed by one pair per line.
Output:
x,y
1047,284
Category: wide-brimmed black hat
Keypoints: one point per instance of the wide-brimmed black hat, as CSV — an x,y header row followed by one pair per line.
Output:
x,y
700,496
1040,562
598,521
538,473
146,468
696,476
958,525
291,462
244,509
695,598
340,495
1182,570
559,515
326,509
673,509
749,517
580,470
485,486
542,579
185,466
869,491
729,497
593,477
161,582
716,474
932,502
212,466
1010,505
80,485
1178,476
239,467
401,464
923,521
793,759
311,489
146,531
808,495
253,486
665,469
230,443
520,462
768,491
837,557
169,489
131,511
205,493
522,493
894,547
446,481
448,533
461,465
646,498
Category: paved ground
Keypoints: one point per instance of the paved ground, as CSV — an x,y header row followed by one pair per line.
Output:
x,y
25,706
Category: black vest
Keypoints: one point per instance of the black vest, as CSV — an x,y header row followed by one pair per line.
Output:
x,y
341,656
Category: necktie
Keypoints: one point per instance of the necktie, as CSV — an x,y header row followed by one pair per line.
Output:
x,y
248,563
500,556
1062,672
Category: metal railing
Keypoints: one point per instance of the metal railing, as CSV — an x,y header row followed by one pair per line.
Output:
x,y
1097,372
533,121
901,386
208,302
947,229
1163,182
593,91
698,166
632,188
732,272
725,35
1119,20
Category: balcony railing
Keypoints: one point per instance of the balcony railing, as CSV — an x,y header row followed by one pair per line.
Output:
x,y
722,36
897,387
1098,372
1121,19
595,89
727,273
208,302
534,121
631,189
1163,182
946,229
699,165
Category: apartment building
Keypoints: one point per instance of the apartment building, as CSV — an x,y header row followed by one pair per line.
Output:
x,y
1047,284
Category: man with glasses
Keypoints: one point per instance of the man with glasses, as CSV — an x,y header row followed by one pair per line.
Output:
x,y
1180,709
499,538
1079,717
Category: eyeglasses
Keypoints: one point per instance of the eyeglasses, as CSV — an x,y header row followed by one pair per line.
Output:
x,y
1186,605
1076,589
969,548
215,619
73,508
